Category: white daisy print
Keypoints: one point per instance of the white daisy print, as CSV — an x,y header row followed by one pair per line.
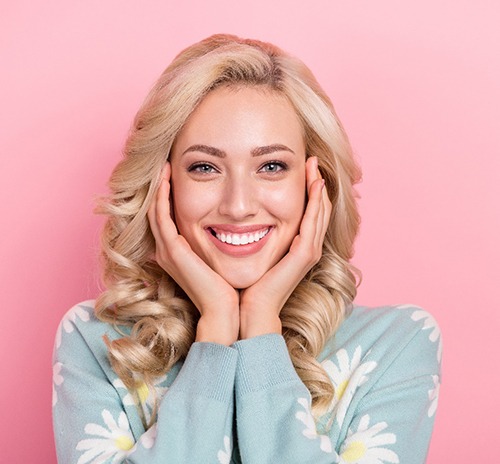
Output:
x,y
224,455
128,399
57,379
146,396
148,438
113,442
433,396
81,311
429,324
310,432
346,378
364,445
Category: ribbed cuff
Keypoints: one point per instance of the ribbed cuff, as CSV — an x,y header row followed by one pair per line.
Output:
x,y
263,361
209,370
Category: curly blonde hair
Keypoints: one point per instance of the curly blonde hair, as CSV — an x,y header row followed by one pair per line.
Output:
x,y
139,293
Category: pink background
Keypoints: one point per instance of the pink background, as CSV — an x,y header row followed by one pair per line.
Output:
x,y
417,87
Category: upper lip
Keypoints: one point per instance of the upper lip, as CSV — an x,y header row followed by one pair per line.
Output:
x,y
238,229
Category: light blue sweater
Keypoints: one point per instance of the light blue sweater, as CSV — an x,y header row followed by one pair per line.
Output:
x,y
245,403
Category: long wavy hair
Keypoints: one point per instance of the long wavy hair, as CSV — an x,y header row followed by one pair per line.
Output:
x,y
140,295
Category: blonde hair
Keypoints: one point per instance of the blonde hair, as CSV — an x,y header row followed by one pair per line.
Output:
x,y
139,294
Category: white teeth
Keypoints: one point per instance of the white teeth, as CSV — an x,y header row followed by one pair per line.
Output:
x,y
241,239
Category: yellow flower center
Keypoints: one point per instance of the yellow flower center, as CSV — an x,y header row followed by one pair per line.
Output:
x,y
124,443
354,451
340,390
143,392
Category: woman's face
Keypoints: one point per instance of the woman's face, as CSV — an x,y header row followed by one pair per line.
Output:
x,y
238,181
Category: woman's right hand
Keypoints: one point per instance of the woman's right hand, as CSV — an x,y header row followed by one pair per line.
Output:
x,y
217,301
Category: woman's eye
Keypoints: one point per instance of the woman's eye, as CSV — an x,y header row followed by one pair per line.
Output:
x,y
273,166
202,168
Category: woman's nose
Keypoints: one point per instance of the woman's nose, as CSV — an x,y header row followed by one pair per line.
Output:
x,y
238,199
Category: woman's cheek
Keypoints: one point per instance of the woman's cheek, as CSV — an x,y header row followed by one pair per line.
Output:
x,y
288,204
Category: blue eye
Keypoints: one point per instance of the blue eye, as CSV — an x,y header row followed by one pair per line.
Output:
x,y
202,168
273,166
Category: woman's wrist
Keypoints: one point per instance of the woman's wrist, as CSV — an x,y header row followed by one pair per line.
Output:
x,y
221,329
253,324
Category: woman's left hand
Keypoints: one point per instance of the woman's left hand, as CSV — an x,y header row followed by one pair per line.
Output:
x,y
261,303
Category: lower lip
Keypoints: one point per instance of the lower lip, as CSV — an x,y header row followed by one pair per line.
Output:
x,y
239,251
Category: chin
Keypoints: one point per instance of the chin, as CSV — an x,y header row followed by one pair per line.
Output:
x,y
241,284
240,281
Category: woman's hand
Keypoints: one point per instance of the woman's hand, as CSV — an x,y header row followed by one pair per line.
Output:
x,y
216,300
261,303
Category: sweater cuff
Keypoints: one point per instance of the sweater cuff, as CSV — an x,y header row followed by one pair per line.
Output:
x,y
263,362
208,370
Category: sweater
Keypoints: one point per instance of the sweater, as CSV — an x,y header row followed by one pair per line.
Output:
x,y
245,403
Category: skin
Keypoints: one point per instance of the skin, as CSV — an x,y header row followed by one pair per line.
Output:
x,y
240,162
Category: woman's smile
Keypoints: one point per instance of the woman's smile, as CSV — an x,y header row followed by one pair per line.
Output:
x,y
239,240
238,181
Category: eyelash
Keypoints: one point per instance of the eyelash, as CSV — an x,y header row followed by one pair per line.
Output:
x,y
194,168
280,164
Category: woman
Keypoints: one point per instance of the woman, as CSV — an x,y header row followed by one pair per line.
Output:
x,y
227,332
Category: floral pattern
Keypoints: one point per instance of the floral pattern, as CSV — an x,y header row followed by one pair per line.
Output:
x,y
429,324
148,438
81,311
145,396
346,378
364,445
111,442
433,396
57,379
224,455
310,432
101,435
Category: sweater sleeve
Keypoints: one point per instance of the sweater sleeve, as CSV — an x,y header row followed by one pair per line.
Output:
x,y
386,385
93,423
273,407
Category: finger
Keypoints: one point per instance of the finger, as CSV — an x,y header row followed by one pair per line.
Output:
x,y
309,223
311,172
162,213
327,210
318,239
323,222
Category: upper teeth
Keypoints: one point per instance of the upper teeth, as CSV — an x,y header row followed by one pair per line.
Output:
x,y
241,239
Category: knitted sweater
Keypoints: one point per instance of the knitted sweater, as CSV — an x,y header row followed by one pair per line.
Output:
x,y
246,403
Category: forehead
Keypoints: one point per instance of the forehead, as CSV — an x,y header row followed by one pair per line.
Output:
x,y
243,113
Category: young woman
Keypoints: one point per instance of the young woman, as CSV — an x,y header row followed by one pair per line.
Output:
x,y
227,330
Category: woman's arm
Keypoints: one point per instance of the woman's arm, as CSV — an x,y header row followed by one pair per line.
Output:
x,y
387,384
261,303
94,422
215,299
273,407
272,403
195,416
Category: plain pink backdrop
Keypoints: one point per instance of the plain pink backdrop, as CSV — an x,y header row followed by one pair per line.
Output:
x,y
417,87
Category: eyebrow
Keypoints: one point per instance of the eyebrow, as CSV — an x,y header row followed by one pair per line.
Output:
x,y
258,151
